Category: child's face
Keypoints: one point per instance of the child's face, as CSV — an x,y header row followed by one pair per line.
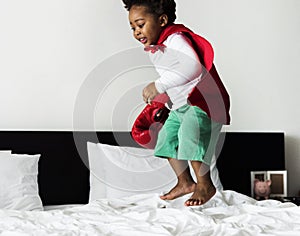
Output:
x,y
146,27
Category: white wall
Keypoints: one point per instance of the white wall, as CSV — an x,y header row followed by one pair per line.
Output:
x,y
50,50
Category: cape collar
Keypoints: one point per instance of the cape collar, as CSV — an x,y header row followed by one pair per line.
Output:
x,y
201,45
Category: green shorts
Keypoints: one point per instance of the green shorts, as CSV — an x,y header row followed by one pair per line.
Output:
x,y
188,134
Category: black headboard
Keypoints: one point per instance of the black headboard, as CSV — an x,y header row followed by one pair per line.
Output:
x,y
64,177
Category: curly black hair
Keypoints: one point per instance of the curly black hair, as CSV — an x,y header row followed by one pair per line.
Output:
x,y
156,7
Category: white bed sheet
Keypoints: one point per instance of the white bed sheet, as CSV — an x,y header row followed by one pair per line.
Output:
x,y
227,213
60,207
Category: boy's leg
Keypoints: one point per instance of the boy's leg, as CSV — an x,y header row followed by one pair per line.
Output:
x,y
197,139
204,189
185,183
166,146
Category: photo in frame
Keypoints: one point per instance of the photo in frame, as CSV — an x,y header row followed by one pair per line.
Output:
x,y
259,175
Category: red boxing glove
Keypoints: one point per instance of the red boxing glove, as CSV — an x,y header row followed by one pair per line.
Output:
x,y
148,123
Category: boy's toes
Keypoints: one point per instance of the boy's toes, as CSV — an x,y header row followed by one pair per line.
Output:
x,y
193,202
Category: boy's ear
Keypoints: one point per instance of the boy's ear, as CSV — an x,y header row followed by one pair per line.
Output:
x,y
163,20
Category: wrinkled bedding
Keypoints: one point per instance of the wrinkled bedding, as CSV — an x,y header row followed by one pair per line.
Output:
x,y
227,213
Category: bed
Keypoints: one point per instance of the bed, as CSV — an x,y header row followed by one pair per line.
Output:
x,y
103,183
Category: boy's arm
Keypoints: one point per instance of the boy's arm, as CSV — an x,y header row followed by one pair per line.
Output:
x,y
178,65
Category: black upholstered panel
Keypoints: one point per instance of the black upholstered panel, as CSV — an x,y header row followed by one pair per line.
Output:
x,y
243,152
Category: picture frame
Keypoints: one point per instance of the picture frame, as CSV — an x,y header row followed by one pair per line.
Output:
x,y
279,183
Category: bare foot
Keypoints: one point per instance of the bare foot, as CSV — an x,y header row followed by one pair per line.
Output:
x,y
202,193
179,190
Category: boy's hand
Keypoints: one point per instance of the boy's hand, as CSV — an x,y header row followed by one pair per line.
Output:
x,y
149,92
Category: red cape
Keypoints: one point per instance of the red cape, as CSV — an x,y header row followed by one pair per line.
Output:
x,y
210,94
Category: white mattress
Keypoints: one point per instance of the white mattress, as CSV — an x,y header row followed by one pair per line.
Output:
x,y
227,213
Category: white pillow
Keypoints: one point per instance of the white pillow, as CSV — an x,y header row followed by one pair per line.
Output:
x,y
18,182
5,151
123,171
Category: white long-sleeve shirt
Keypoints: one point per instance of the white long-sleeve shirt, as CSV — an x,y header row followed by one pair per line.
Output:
x,y
179,69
